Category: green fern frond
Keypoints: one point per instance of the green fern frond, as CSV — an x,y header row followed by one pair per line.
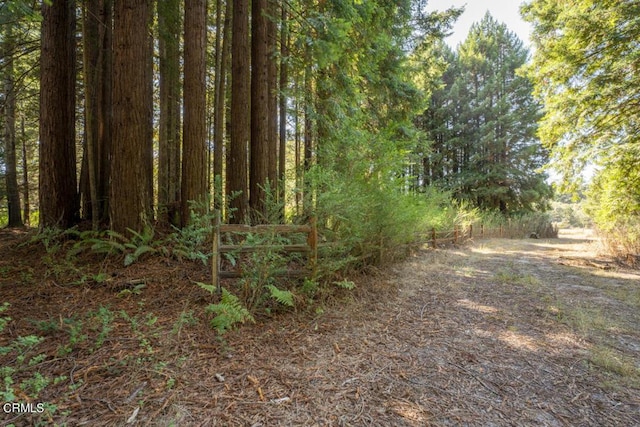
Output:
x,y
115,235
207,287
106,246
283,297
345,284
229,312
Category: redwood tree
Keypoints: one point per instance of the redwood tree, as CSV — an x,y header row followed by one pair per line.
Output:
x,y
237,161
170,97
59,202
258,175
194,155
131,166
13,196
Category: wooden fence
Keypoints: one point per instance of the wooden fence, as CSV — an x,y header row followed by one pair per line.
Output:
x,y
310,246
459,235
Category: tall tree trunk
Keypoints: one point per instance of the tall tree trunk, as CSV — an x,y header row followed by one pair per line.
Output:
x,y
91,67
284,77
237,188
11,174
260,103
131,166
26,199
218,105
272,99
169,137
59,201
307,199
105,108
222,54
194,158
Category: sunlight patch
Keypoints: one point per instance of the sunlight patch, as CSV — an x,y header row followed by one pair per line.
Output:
x,y
565,341
411,412
477,307
518,341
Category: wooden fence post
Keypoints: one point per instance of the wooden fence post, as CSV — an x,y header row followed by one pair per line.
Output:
x,y
215,255
312,241
471,231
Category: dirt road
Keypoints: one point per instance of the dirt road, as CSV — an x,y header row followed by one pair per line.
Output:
x,y
494,333
497,333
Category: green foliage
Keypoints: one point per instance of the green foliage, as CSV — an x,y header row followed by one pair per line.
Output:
x,y
480,129
228,312
75,328
283,297
370,220
110,242
570,214
585,54
345,284
193,241
614,204
104,319
582,69
22,351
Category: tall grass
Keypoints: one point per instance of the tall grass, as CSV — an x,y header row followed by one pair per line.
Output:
x,y
530,224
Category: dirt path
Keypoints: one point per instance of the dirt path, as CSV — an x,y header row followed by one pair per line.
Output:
x,y
496,333
503,332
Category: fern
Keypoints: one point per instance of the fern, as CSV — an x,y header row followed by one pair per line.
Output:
x,y
345,284
283,297
131,258
207,287
228,312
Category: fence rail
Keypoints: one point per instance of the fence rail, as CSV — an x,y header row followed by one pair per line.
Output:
x,y
310,246
509,230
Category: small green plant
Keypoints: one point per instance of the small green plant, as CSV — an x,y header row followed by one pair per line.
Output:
x,y
33,386
104,317
74,327
25,359
50,237
135,290
310,288
110,242
186,318
345,284
228,312
190,242
281,296
143,340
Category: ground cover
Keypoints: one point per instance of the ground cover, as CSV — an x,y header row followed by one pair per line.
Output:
x,y
495,332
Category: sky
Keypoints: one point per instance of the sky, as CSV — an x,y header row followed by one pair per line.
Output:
x,y
505,11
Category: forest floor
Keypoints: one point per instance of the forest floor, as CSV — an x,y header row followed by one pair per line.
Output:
x,y
497,332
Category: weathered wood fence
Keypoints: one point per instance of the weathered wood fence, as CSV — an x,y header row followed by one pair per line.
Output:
x,y
458,235
310,246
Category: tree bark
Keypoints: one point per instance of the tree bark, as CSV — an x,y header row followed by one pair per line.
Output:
x,y
237,188
91,73
222,54
59,201
26,199
11,175
260,112
170,94
194,156
284,78
131,166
